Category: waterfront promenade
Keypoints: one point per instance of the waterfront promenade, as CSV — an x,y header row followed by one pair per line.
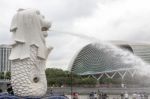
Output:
x,y
112,91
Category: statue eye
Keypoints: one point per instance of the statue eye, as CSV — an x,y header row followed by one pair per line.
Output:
x,y
44,29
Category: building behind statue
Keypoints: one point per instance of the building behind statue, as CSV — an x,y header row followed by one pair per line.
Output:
x,y
5,65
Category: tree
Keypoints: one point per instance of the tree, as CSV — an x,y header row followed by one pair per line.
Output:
x,y
5,76
58,77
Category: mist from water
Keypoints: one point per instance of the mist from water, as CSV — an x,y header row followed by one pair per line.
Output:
x,y
126,57
88,38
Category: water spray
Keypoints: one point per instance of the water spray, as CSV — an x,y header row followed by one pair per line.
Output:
x,y
126,57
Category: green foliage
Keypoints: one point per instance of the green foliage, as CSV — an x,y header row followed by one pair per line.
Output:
x,y
58,77
110,81
1,75
87,81
6,75
106,81
52,73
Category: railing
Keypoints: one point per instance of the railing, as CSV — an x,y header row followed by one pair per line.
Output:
x,y
4,81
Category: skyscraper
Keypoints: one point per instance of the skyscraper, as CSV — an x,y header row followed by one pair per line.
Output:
x,y
5,63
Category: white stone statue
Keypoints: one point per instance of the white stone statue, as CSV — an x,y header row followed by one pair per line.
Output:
x,y
29,53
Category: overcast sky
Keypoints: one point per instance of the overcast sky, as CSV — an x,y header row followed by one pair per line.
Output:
x,y
127,20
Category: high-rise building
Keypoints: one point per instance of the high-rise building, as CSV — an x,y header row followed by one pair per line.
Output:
x,y
5,63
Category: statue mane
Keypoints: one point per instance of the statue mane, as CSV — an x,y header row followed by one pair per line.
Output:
x,y
30,28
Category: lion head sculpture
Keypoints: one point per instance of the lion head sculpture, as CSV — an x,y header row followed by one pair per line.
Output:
x,y
29,27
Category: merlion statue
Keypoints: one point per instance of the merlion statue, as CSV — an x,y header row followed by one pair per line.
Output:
x,y
29,53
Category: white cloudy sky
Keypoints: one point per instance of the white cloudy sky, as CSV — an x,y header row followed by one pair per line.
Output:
x,y
127,20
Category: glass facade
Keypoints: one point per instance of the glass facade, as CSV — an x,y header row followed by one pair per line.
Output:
x,y
97,58
5,63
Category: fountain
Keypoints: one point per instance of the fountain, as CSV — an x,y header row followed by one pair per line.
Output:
x,y
29,53
103,58
121,56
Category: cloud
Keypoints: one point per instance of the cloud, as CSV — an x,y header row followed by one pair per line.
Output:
x,y
118,20
65,47
102,19
62,13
